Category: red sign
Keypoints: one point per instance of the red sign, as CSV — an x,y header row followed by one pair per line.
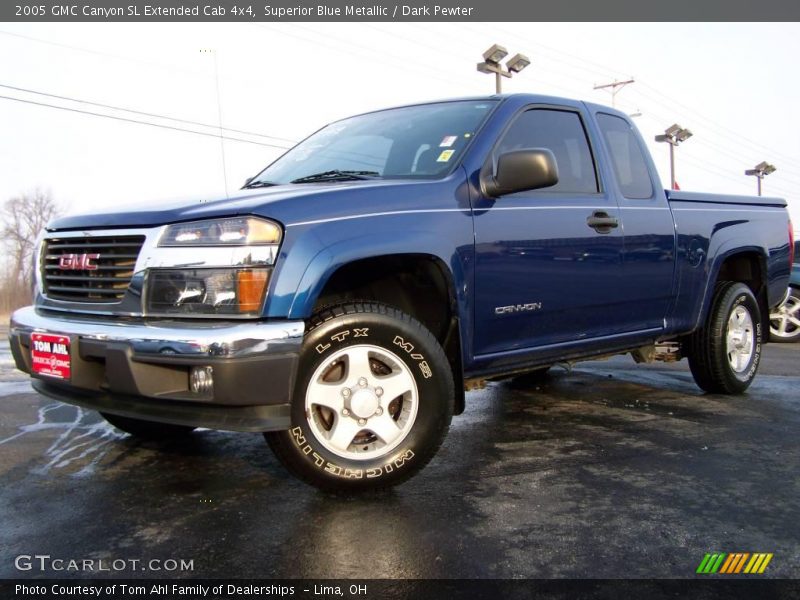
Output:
x,y
78,262
50,355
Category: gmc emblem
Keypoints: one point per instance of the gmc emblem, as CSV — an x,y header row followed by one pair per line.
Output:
x,y
78,262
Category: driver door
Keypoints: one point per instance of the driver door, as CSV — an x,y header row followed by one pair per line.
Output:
x,y
544,274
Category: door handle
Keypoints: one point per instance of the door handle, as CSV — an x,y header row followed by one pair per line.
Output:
x,y
601,221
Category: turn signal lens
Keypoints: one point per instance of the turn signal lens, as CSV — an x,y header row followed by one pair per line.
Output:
x,y
250,286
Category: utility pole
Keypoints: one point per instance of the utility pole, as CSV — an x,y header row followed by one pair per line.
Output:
x,y
213,53
615,87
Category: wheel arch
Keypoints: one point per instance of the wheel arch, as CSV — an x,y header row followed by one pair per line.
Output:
x,y
421,284
747,265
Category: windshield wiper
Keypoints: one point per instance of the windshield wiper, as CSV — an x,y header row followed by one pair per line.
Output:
x,y
258,184
337,175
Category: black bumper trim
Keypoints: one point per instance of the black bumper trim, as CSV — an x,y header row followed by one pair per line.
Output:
x,y
260,418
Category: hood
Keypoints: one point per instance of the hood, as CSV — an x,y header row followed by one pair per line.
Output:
x,y
284,203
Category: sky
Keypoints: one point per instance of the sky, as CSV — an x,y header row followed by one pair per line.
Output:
x,y
733,85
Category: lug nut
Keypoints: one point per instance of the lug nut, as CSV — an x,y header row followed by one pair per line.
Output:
x,y
362,382
379,391
346,392
379,412
362,421
345,412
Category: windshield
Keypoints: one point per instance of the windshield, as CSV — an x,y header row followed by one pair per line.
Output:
x,y
415,141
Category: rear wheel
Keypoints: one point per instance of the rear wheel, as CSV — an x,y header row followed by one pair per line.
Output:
x,y
784,321
147,429
725,352
373,400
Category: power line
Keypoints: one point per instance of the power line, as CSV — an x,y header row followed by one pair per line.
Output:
x,y
581,63
140,112
538,65
344,47
540,68
787,172
161,66
723,130
126,120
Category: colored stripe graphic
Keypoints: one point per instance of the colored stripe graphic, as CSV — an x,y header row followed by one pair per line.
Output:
x,y
728,564
711,563
734,563
703,563
741,562
758,563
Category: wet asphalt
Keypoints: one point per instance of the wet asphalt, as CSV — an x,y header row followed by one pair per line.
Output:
x,y
610,470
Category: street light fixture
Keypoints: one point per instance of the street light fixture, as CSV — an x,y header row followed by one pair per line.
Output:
x,y
495,54
491,64
673,135
760,171
517,63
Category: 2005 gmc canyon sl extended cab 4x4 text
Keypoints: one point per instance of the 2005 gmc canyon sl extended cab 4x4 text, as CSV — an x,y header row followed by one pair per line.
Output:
x,y
345,298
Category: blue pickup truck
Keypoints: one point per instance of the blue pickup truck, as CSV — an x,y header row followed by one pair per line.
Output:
x,y
346,298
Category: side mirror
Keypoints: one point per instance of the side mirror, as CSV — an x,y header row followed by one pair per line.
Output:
x,y
522,170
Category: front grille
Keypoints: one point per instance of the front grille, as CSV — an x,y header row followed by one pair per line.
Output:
x,y
80,281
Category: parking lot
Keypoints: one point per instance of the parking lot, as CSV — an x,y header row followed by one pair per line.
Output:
x,y
611,470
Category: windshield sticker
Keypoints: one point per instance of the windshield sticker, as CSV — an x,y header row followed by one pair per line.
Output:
x,y
448,141
445,155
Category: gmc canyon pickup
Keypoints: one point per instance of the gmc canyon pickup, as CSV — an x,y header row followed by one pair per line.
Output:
x,y
344,300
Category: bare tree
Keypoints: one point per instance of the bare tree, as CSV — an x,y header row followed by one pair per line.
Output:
x,y
23,217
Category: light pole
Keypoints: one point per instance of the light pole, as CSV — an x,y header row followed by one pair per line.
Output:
x,y
491,64
760,171
673,136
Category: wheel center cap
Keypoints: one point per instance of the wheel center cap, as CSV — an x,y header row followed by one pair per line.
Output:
x,y
364,403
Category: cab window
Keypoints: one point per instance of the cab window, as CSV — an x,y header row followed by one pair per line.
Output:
x,y
561,132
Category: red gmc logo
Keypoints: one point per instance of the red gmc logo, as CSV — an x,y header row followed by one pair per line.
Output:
x,y
78,262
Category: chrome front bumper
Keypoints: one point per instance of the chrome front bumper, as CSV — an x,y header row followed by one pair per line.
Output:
x,y
140,368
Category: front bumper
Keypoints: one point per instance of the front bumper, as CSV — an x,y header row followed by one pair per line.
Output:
x,y
140,368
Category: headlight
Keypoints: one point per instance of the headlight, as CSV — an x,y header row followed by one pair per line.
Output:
x,y
226,275
235,231
206,291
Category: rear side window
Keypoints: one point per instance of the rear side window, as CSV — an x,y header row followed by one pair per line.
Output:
x,y
562,133
627,157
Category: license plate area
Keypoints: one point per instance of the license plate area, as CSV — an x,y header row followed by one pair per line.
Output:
x,y
50,355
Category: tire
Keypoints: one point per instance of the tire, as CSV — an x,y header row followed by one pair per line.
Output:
x,y
347,433
725,352
784,321
149,430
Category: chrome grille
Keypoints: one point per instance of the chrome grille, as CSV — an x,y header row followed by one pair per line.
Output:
x,y
104,279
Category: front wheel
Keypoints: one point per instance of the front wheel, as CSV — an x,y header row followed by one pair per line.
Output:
x,y
373,400
725,352
784,321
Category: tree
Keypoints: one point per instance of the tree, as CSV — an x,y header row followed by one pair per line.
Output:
x,y
23,217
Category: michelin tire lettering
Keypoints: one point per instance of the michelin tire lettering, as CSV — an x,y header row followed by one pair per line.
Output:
x,y
369,473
